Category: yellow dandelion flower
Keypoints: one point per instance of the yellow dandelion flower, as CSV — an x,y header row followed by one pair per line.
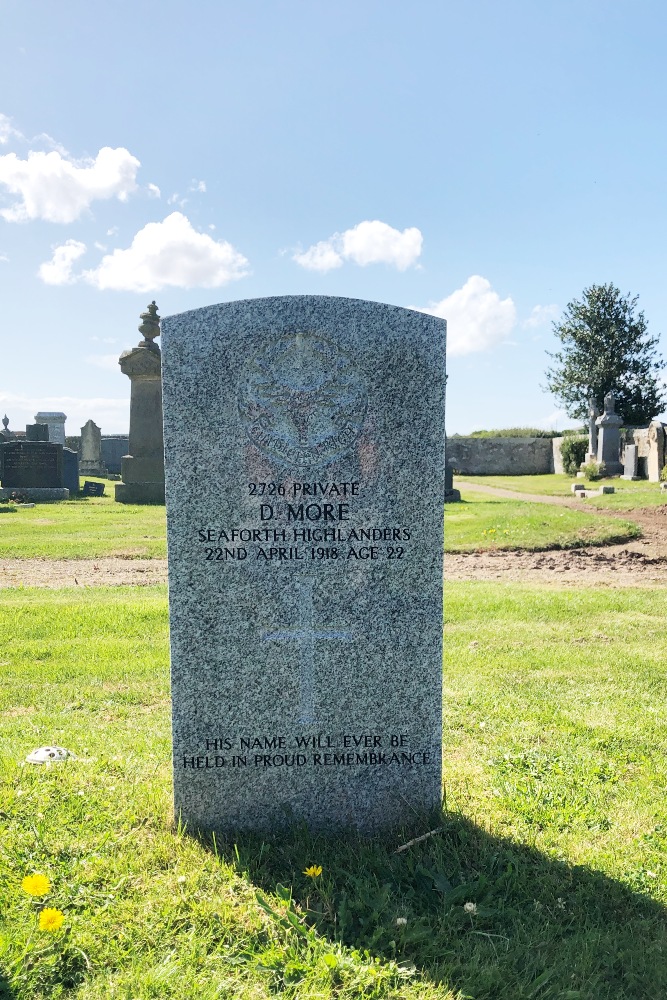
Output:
x,y
51,919
36,885
313,871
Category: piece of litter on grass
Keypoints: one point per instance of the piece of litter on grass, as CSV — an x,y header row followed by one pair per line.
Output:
x,y
48,755
418,840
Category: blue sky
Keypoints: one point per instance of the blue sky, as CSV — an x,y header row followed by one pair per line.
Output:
x,y
486,161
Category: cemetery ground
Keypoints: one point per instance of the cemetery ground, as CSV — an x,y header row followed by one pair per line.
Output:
x,y
545,877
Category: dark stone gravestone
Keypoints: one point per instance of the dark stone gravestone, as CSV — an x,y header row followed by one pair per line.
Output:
x,y
304,442
35,468
91,489
71,470
37,432
451,495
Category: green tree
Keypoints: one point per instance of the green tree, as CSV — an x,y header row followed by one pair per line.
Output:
x,y
606,347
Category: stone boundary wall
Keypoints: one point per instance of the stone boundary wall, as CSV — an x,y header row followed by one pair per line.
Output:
x,y
525,456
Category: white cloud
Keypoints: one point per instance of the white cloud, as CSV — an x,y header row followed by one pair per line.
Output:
x,y
166,253
366,243
153,191
477,318
321,257
111,414
4,259
107,361
540,316
58,271
7,130
199,186
55,188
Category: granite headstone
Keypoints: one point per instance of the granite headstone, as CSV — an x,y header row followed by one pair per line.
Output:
x,y
630,462
37,432
71,470
35,468
304,442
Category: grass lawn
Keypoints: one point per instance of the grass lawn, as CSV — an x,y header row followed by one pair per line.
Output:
x,y
84,528
91,528
547,881
628,495
484,522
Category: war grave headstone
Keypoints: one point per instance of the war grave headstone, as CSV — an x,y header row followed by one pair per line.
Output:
x,y
56,424
35,468
304,443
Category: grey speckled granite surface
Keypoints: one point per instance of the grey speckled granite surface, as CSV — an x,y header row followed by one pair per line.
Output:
x,y
304,442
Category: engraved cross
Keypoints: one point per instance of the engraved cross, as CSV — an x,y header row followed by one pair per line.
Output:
x,y
306,635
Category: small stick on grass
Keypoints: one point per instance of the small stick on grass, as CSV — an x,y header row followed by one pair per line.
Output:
x,y
418,840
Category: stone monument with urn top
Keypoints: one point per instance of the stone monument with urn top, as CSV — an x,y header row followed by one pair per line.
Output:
x,y
142,469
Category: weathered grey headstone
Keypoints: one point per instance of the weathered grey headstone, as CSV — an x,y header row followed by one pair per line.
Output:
x,y
37,432
35,468
656,451
304,438
630,462
142,469
609,436
91,450
56,424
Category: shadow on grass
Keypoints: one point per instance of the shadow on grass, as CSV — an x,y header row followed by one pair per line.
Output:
x,y
6,992
483,915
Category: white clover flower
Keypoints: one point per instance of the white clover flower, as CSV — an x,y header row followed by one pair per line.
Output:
x,y
401,921
470,907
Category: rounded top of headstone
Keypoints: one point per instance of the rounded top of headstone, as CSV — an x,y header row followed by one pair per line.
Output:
x,y
150,327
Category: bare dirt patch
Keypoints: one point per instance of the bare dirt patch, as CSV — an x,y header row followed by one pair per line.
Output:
x,y
56,573
641,562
